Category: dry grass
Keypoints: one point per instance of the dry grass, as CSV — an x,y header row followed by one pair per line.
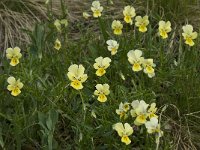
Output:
x,y
182,128
17,15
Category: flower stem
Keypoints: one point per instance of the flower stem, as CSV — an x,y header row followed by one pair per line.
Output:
x,y
83,104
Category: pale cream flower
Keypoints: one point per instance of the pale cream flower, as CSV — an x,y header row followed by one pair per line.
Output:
x,y
123,131
189,35
149,67
129,13
86,15
102,90
142,23
112,46
14,86
117,27
101,64
76,76
96,9
135,58
164,28
14,54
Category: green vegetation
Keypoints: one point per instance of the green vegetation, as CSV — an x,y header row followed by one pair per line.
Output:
x,y
50,114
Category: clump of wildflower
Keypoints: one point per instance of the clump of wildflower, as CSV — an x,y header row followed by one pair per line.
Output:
x,y
124,131
96,9
101,65
148,67
123,109
57,44
86,15
117,27
112,46
143,114
14,55
102,90
129,13
14,86
142,111
76,76
189,35
164,28
58,24
135,58
142,23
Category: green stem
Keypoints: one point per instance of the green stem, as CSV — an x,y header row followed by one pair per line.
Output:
x,y
162,47
103,29
83,104
17,133
157,145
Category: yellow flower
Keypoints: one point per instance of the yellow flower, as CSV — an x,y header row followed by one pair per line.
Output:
x,y
153,125
86,15
57,44
64,22
139,111
101,65
134,105
117,27
14,86
14,55
112,46
123,109
189,35
58,24
76,76
96,9
142,23
148,67
101,91
134,57
152,111
164,28
123,131
129,13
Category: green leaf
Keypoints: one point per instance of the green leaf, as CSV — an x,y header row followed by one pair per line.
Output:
x,y
42,120
54,116
49,123
1,139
